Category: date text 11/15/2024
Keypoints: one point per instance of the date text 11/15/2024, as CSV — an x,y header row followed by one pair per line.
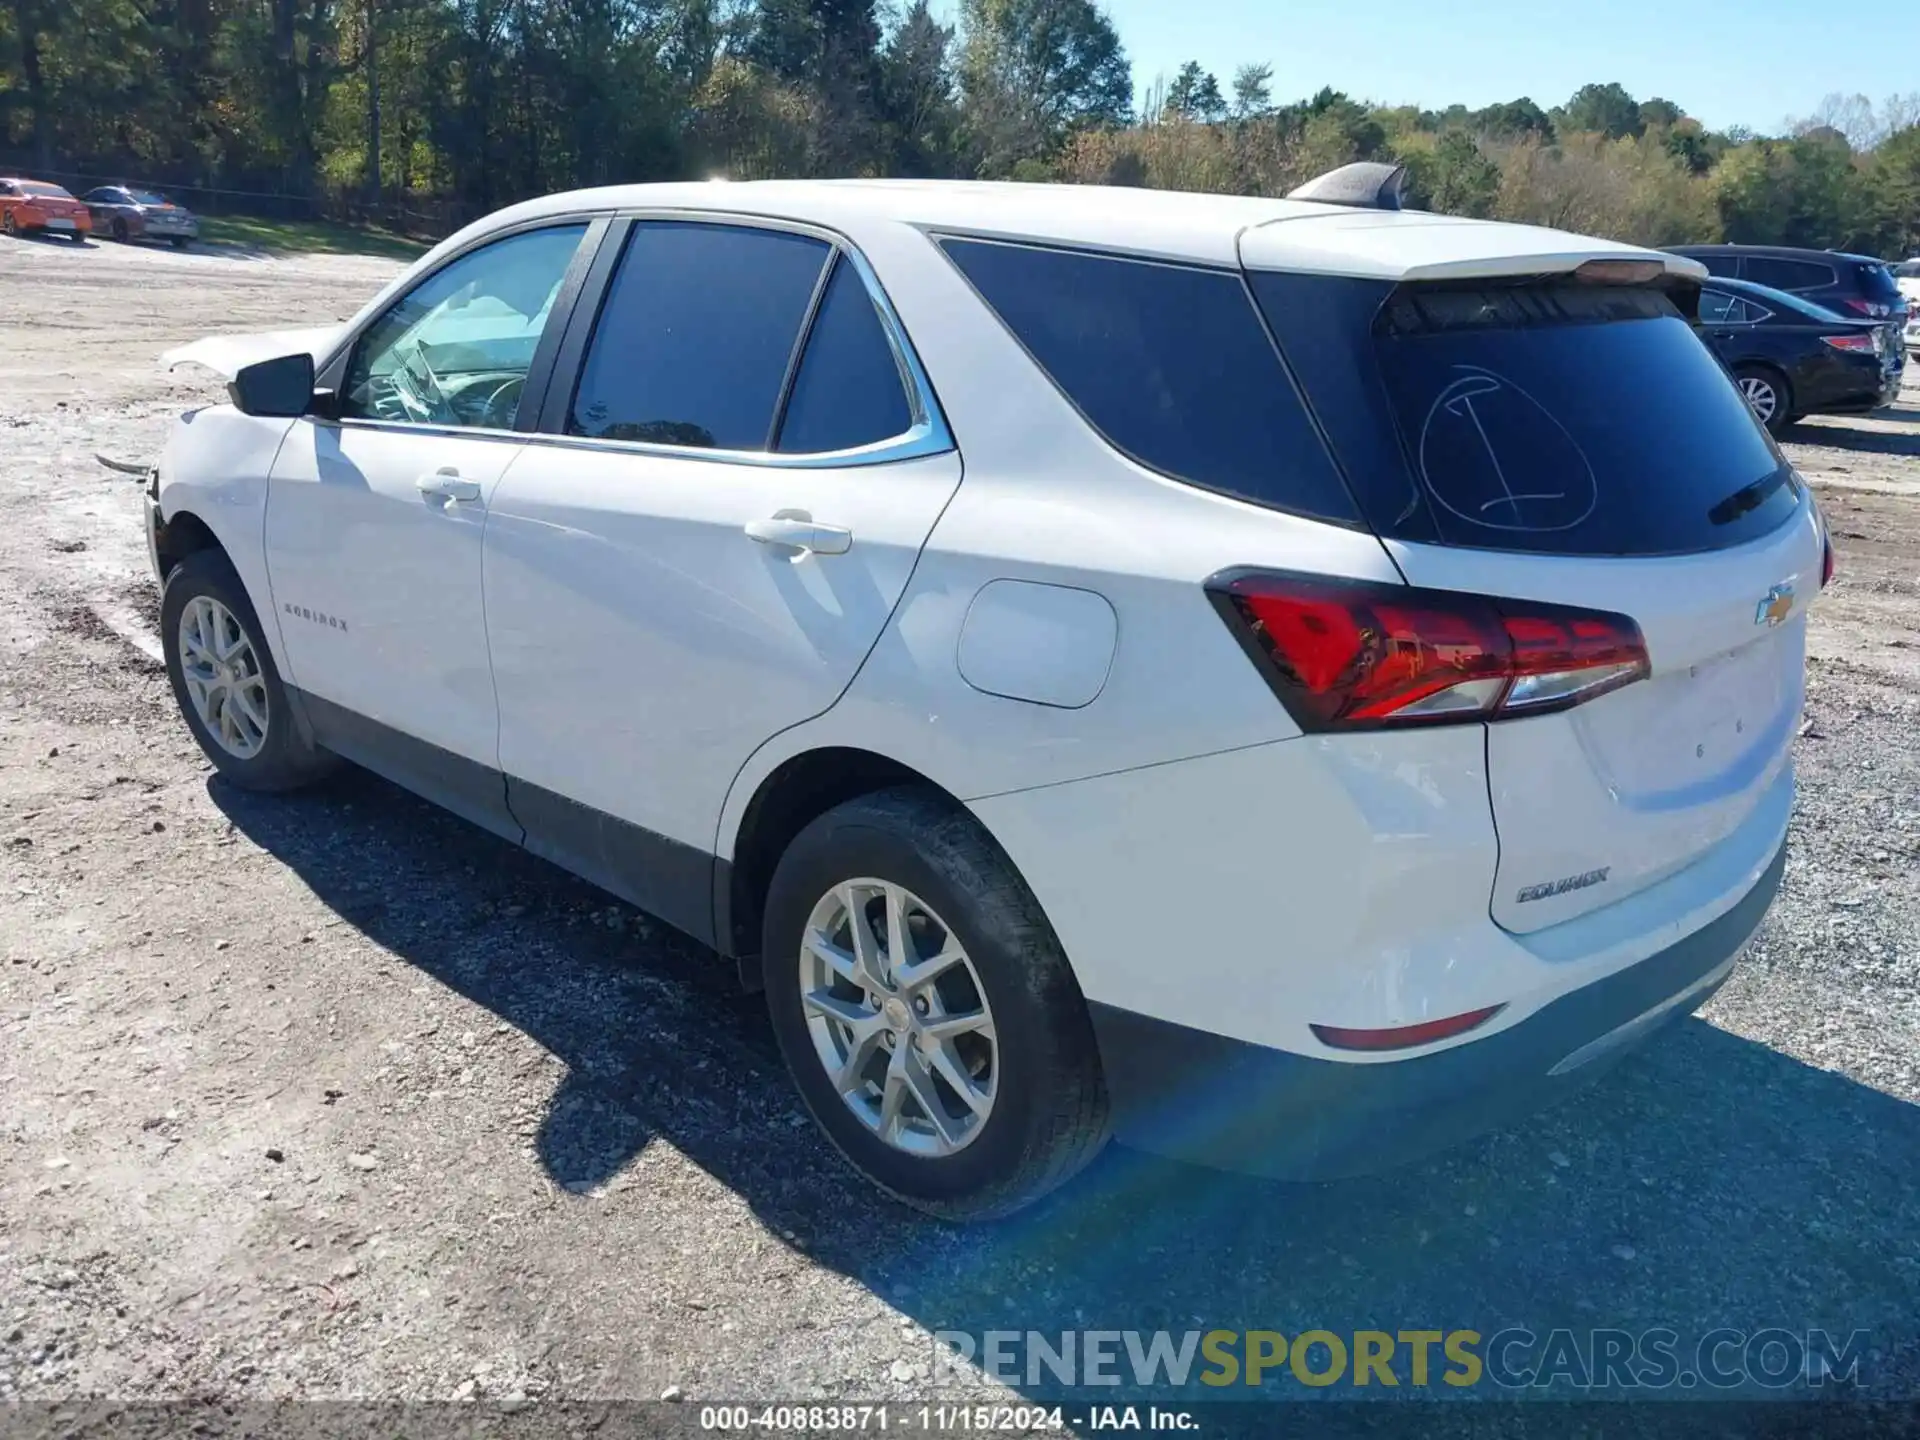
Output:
x,y
941,1419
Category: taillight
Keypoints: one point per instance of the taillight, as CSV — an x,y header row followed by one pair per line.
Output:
x,y
1868,307
1354,654
1856,343
1826,562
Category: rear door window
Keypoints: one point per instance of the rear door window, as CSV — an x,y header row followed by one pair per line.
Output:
x,y
1783,274
1717,308
1556,418
849,391
696,336
1169,363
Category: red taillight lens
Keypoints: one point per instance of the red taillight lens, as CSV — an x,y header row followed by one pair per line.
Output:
x,y
1402,1037
1858,344
1871,308
1345,654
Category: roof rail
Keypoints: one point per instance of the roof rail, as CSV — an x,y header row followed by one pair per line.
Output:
x,y
1365,184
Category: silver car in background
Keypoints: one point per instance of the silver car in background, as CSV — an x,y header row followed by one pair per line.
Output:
x,y
126,212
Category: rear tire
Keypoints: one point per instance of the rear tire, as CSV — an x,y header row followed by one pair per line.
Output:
x,y
1768,396
120,230
10,225
1034,1062
224,679
179,242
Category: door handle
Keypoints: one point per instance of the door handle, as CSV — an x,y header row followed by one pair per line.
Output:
x,y
447,484
797,530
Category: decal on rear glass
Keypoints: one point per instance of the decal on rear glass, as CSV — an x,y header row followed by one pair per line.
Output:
x,y
1475,420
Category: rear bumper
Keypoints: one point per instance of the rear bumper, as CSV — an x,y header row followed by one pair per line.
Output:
x,y
1193,1095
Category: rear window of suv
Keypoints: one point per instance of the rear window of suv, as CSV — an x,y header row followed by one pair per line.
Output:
x,y
1550,417
1169,363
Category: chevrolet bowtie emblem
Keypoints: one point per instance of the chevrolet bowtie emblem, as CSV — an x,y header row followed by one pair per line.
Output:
x,y
1777,606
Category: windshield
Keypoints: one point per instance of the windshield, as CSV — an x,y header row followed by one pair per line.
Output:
x,y
39,187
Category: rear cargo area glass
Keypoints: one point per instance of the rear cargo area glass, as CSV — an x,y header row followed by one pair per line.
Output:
x,y
1548,417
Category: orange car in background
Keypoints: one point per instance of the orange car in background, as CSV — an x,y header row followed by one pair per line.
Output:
x,y
35,205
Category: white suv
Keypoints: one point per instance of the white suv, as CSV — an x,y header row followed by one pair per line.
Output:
x,y
1288,683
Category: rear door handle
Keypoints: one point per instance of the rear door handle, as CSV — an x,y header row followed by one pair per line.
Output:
x,y
447,485
797,530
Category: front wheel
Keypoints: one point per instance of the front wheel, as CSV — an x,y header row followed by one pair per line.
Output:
x,y
179,242
224,679
1766,395
931,1021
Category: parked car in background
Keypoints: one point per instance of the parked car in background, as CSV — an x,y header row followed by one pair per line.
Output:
x,y
1906,276
128,213
1791,357
1857,286
35,206
1113,737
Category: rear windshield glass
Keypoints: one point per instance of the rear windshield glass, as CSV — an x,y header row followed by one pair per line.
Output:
x,y
36,187
1573,419
1876,283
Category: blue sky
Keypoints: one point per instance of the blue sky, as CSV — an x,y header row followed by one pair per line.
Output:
x,y
1728,62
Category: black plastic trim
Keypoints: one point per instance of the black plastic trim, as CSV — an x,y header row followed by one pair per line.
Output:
x,y
680,884
469,789
1198,1096
659,875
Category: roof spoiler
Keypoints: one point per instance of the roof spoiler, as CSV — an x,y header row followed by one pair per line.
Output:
x,y
1365,184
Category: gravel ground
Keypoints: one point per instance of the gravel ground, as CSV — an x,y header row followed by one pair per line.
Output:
x,y
335,1097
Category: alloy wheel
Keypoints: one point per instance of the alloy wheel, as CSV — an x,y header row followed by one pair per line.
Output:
x,y
223,677
1761,397
898,1017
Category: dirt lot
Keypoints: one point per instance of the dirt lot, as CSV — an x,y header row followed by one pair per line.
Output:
x,y
333,1096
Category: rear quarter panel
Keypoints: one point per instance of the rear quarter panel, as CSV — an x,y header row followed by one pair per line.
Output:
x,y
1045,500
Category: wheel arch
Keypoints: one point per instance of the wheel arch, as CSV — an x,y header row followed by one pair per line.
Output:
x,y
790,796
181,535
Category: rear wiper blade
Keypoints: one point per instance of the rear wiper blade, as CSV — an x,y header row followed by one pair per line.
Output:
x,y
1746,499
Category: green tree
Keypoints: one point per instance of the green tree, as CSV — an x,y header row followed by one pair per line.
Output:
x,y
1252,91
1510,120
1195,95
1603,110
1034,71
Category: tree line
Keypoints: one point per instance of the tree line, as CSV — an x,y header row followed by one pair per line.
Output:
x,y
445,109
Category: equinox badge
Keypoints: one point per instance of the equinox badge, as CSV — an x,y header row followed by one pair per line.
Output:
x,y
1777,605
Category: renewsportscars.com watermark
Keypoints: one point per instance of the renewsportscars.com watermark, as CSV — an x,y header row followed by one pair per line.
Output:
x,y
1513,1359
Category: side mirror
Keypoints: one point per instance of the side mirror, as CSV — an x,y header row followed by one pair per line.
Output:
x,y
278,387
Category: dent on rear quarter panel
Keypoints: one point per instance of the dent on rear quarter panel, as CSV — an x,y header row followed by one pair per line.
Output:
x,y
216,465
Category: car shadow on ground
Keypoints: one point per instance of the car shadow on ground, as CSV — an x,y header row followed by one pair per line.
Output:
x,y
1706,1182
1836,433
41,237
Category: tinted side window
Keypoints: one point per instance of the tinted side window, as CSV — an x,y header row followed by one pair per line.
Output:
x,y
693,343
1717,308
849,391
1788,274
1169,363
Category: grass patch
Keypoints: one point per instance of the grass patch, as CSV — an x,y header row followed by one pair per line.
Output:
x,y
308,237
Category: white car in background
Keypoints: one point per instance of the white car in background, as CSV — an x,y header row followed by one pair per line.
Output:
x,y
1290,683
1907,276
